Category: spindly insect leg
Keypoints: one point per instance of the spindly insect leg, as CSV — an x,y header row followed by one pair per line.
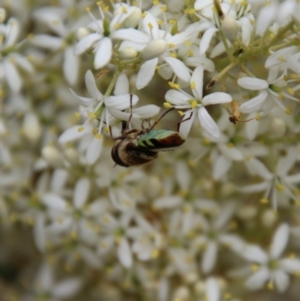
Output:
x,y
157,121
186,119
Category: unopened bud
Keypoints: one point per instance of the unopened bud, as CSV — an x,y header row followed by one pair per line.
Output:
x,y
269,218
134,19
247,212
182,293
128,53
277,127
81,33
229,27
52,156
152,187
71,155
31,127
154,49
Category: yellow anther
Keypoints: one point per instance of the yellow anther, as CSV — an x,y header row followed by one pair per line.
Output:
x,y
150,25
174,86
190,53
92,115
205,141
167,105
272,35
254,268
117,26
288,111
98,136
180,113
187,43
264,201
282,59
193,85
194,104
171,45
163,8
257,117
172,21
230,144
280,187
155,2
155,254
74,235
160,22
124,10
144,14
80,129
270,285
227,296
292,256
172,54
87,9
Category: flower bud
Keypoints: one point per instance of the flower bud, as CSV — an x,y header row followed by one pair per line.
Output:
x,y
31,127
81,33
152,187
182,293
247,212
277,127
134,19
154,49
269,218
52,156
128,53
229,27
71,155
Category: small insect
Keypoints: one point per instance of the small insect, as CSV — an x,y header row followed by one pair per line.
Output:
x,y
235,114
140,146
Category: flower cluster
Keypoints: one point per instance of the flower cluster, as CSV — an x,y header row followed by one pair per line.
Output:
x,y
214,214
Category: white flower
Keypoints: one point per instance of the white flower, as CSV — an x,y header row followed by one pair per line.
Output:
x,y
277,186
196,104
270,93
100,41
269,266
44,285
102,107
12,59
155,46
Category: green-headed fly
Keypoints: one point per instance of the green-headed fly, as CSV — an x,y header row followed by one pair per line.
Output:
x,y
140,146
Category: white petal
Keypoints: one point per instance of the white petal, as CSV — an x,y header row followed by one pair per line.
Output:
x,y
254,103
103,53
280,241
221,167
200,4
255,254
258,280
231,152
212,289
259,169
255,188
124,253
87,101
289,265
265,18
251,83
12,76
122,85
177,98
207,123
179,68
94,150
167,202
209,257
187,123
206,38
91,86
86,43
70,66
132,35
71,134
252,127
146,73
44,279
39,232
59,179
197,80
67,288
281,280
47,41
147,111
81,192
216,98
293,179
23,62
54,202
121,102
286,163
13,29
